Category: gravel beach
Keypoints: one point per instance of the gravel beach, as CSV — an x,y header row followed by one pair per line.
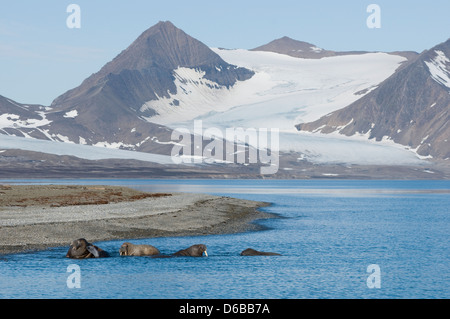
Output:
x,y
36,217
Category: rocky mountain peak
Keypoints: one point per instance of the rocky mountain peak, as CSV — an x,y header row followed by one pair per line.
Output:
x,y
300,49
144,71
294,48
165,46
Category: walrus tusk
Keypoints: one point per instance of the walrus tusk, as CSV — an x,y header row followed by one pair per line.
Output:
x,y
93,251
206,254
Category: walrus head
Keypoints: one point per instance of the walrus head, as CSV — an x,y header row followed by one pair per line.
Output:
x,y
80,248
123,251
193,251
201,249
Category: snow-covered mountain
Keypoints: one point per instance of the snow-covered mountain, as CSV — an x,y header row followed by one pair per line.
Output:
x,y
410,108
166,79
146,71
111,108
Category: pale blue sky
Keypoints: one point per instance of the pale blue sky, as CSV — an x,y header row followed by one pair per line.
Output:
x,y
40,58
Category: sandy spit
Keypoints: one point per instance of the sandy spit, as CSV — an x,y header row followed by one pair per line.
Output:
x,y
36,217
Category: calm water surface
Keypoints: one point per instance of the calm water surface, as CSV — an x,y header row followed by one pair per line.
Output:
x,y
331,232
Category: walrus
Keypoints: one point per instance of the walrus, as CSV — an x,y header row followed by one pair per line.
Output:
x,y
252,252
128,249
193,251
81,249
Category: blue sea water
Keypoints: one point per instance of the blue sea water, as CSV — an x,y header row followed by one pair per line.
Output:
x,y
329,234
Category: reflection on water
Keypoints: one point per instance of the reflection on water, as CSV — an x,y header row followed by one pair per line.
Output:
x,y
332,232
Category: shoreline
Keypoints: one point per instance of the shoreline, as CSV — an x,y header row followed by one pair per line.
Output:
x,y
38,217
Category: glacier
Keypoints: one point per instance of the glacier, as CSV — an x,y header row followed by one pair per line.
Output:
x,y
283,92
286,91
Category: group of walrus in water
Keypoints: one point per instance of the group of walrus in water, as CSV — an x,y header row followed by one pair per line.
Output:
x,y
82,249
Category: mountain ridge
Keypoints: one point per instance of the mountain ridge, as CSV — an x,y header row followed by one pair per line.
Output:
x,y
306,50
